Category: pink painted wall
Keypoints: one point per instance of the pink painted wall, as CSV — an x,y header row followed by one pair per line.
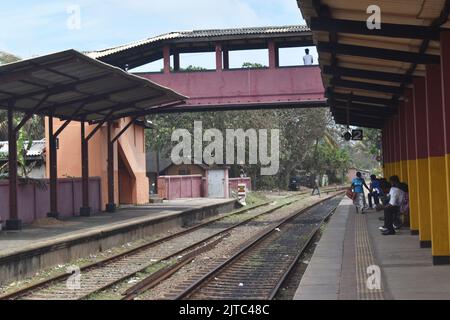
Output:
x,y
245,86
34,201
178,187
132,145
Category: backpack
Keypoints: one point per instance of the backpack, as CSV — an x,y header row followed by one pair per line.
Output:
x,y
404,207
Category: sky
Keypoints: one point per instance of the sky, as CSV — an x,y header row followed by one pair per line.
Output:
x,y
35,27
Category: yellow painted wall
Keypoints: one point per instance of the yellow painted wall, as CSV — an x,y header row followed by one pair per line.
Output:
x,y
439,206
413,195
424,203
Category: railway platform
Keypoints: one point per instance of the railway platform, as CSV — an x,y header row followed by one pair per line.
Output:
x,y
50,243
352,253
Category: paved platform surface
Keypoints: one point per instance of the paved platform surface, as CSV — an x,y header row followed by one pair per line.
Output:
x,y
32,237
351,244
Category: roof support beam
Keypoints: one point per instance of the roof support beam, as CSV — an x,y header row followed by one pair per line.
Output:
x,y
366,74
362,99
362,123
367,86
66,123
377,53
99,125
117,137
388,29
365,108
119,106
30,114
159,109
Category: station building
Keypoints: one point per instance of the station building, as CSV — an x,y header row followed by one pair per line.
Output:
x,y
131,184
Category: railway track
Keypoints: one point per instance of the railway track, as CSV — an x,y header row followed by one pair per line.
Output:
x,y
257,271
173,249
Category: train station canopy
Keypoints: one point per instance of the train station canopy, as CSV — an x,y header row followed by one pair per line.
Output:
x,y
72,86
148,50
366,71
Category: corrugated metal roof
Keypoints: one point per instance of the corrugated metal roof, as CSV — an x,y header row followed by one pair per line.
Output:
x,y
198,34
396,12
72,81
37,149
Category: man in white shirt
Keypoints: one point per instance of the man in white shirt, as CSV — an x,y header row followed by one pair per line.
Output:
x,y
308,59
396,198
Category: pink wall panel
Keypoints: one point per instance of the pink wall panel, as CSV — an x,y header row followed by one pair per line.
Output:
x,y
245,86
34,199
176,187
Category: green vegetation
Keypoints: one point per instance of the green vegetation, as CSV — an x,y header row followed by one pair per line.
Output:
x,y
310,143
251,65
33,129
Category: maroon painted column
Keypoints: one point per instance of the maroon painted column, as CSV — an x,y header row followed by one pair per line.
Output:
x,y
13,223
402,141
386,148
423,182
391,147
166,56
219,59
85,210
437,167
445,77
273,55
53,170
395,145
411,156
111,205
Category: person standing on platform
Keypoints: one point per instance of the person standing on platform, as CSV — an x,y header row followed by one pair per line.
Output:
x,y
358,185
375,191
308,59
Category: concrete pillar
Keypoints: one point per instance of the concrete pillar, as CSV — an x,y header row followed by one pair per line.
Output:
x,y
411,156
219,59
166,55
273,55
437,167
423,184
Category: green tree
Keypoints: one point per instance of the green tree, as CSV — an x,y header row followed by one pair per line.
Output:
x,y
33,129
